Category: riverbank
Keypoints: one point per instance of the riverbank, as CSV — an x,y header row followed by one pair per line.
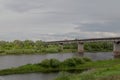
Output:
x,y
48,66
34,52
68,65
24,52
27,47
99,70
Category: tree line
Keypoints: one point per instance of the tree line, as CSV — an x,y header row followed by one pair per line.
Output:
x,y
32,47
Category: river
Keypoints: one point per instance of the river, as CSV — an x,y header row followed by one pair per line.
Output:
x,y
10,61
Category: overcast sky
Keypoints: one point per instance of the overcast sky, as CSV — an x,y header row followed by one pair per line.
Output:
x,y
59,19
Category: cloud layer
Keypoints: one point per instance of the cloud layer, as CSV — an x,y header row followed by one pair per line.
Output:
x,y
58,19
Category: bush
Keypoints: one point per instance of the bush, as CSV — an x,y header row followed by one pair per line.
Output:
x,y
54,63
2,51
45,63
87,59
51,50
20,51
79,60
69,62
72,62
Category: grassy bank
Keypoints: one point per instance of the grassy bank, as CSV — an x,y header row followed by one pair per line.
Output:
x,y
68,65
46,66
111,73
79,68
99,70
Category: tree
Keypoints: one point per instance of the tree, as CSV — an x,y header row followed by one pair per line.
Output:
x,y
18,44
28,44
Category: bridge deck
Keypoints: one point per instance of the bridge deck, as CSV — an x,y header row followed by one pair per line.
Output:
x,y
87,40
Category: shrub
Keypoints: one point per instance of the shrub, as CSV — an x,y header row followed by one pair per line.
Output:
x,y
54,63
69,62
51,50
45,63
72,62
2,51
87,59
79,60
20,51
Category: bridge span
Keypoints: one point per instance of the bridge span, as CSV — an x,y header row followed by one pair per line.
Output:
x,y
80,42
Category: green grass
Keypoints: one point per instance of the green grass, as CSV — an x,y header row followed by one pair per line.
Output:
x,y
110,73
99,70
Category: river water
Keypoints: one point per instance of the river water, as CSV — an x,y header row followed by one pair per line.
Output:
x,y
10,61
32,76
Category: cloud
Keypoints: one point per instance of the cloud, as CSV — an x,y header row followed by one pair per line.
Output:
x,y
112,26
59,19
22,5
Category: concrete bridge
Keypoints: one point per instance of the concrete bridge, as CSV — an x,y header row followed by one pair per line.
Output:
x,y
80,42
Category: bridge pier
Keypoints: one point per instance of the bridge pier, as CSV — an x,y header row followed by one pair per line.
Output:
x,y
80,48
61,46
116,49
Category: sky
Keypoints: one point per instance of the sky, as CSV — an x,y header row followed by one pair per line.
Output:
x,y
59,19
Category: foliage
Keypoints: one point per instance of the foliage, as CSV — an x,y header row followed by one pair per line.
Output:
x,y
98,46
30,47
48,65
98,70
45,63
72,62
86,59
54,63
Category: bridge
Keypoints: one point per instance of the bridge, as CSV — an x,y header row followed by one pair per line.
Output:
x,y
80,42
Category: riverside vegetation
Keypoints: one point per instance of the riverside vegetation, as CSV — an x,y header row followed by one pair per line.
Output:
x,y
49,65
18,47
98,70
75,68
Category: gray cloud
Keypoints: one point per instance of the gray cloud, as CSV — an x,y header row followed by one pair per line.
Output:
x,y
22,5
59,19
113,26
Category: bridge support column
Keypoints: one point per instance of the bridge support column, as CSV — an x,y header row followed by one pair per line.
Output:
x,y
81,48
116,49
61,47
